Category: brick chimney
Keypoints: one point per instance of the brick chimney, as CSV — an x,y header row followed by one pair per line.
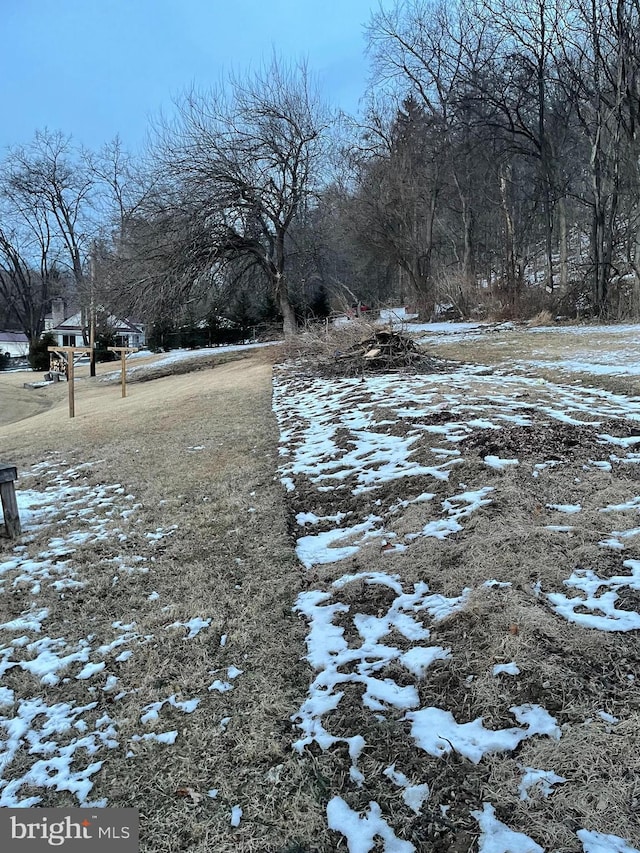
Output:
x,y
58,309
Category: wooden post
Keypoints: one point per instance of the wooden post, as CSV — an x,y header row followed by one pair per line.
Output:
x,y
70,383
123,373
68,353
124,351
9,473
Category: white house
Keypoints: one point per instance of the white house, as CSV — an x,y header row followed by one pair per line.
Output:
x,y
69,330
14,344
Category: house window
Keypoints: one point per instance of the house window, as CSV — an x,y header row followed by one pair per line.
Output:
x,y
68,340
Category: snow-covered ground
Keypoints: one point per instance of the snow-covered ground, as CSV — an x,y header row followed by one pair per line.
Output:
x,y
179,355
185,354
345,438
613,363
609,351
596,330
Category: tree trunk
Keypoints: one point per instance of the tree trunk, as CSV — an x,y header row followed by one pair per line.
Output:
x,y
547,182
564,245
281,292
468,260
605,206
548,215
510,260
289,325
280,287
636,280
597,249
425,299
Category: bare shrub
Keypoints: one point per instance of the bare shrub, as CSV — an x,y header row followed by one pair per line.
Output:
x,y
542,318
323,342
458,293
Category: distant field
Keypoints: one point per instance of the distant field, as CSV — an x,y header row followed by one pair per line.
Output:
x,y
24,393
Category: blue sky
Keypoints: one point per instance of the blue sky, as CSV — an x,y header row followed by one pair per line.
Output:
x,y
97,68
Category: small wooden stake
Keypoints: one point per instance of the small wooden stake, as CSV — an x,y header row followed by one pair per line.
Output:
x,y
10,510
9,473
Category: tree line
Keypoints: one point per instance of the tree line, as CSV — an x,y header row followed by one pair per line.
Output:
x,y
495,169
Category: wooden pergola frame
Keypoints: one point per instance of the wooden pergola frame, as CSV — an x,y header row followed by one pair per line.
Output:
x,y
68,354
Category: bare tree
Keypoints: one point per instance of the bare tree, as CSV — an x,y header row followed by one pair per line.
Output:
x,y
123,186
602,78
48,179
526,42
239,164
433,50
624,75
398,184
24,287
30,249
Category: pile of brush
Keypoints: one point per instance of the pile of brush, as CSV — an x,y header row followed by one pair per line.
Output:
x,y
384,350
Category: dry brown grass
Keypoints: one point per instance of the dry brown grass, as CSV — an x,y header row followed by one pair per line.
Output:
x,y
223,562
17,402
542,318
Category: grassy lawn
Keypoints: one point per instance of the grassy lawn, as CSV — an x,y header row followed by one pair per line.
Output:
x,y
229,560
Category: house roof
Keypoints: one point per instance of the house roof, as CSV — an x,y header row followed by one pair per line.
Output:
x,y
13,337
74,325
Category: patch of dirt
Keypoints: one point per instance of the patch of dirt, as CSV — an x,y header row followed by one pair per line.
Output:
x,y
552,441
628,599
570,671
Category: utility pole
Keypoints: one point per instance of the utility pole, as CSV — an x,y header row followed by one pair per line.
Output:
x,y
92,311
